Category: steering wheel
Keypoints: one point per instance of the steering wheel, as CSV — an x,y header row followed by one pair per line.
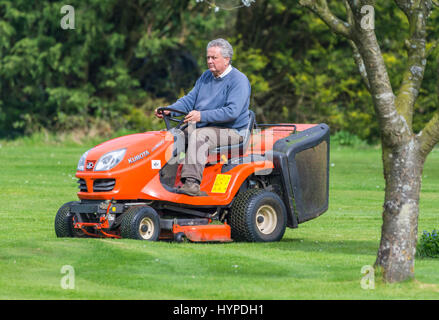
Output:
x,y
168,118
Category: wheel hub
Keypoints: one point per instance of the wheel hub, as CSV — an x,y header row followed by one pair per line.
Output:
x,y
146,228
266,219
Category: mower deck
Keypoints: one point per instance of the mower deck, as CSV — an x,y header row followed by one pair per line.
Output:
x,y
203,233
193,229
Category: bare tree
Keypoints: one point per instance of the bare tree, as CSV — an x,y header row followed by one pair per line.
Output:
x,y
403,150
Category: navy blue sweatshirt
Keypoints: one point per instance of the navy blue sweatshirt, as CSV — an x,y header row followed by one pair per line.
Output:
x,y
223,102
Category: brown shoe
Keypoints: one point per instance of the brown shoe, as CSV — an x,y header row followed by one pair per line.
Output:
x,y
191,188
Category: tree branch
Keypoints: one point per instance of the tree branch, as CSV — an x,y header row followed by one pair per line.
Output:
x,y
409,6
429,136
357,56
417,13
360,64
406,6
320,7
394,128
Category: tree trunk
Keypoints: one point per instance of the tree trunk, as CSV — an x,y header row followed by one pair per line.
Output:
x,y
403,167
404,152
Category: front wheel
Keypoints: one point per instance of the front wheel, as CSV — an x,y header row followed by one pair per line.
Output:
x,y
258,215
64,220
141,223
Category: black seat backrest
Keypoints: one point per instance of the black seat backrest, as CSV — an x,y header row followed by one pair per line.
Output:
x,y
243,145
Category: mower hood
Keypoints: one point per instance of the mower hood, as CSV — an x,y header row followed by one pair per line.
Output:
x,y
123,160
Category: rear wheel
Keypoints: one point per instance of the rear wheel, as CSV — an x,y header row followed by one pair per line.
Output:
x,y
141,223
258,215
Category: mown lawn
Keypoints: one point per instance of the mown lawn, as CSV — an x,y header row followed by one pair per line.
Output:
x,y
322,259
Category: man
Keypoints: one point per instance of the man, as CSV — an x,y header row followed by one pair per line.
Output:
x,y
218,105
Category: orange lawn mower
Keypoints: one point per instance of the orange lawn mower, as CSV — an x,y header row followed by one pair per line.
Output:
x,y
277,177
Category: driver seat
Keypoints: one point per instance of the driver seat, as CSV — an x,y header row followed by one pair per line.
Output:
x,y
236,149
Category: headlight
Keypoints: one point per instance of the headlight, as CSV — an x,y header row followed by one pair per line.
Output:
x,y
81,163
110,160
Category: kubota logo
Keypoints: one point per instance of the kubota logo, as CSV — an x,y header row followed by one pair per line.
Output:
x,y
138,157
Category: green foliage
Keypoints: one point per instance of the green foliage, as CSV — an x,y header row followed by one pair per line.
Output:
x,y
311,71
428,245
140,119
345,138
119,55
123,59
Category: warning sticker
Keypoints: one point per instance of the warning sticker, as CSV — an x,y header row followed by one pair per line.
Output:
x,y
156,164
221,183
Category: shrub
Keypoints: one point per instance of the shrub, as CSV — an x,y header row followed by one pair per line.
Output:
x,y
428,245
345,138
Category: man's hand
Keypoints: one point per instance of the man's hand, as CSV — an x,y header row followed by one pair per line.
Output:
x,y
193,116
160,115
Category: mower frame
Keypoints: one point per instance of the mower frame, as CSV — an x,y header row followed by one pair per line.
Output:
x,y
288,176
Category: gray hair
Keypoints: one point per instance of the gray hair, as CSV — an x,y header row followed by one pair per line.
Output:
x,y
224,45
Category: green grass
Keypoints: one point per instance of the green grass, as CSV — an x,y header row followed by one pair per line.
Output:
x,y
322,259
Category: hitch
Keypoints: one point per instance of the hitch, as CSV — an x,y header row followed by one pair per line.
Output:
x,y
102,224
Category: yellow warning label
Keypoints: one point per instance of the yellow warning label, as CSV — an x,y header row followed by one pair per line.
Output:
x,y
221,183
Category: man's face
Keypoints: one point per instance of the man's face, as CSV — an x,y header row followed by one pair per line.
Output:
x,y
216,63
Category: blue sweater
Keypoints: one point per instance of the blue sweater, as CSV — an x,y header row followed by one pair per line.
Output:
x,y
223,102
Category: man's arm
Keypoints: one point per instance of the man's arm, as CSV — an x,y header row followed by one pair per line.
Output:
x,y
184,104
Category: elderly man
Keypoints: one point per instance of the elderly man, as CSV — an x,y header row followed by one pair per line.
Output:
x,y
218,105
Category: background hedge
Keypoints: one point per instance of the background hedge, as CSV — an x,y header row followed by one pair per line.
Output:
x,y
124,58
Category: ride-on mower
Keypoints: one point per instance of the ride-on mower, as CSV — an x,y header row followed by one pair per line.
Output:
x,y
276,177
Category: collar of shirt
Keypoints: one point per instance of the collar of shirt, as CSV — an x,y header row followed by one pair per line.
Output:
x,y
226,72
